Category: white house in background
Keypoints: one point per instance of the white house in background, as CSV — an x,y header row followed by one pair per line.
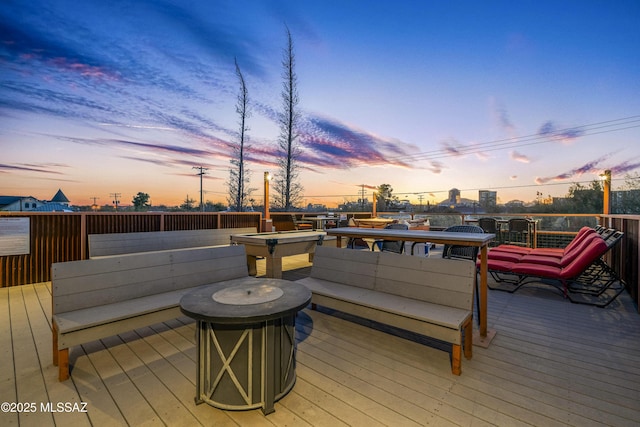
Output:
x,y
19,203
59,203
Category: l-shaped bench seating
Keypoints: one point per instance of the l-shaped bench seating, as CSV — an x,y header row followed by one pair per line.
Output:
x,y
429,296
97,298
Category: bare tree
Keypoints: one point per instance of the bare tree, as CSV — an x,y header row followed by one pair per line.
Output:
x,y
239,191
287,189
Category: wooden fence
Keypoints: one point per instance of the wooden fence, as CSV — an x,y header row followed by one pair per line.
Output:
x,y
60,237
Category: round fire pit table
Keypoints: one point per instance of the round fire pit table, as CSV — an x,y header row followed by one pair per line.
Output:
x,y
245,340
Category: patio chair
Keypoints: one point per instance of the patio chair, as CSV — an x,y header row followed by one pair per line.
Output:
x,y
516,253
464,252
566,258
299,224
517,232
517,274
396,246
490,225
355,242
584,280
599,277
582,233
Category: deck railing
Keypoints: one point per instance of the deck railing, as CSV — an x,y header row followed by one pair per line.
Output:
x,y
60,237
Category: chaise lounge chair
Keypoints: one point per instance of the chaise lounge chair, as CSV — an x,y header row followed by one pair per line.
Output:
x,y
580,271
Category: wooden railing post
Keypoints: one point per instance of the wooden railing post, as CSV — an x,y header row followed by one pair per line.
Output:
x,y
84,237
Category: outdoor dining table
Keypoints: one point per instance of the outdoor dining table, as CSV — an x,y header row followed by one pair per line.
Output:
x,y
373,222
320,222
480,240
276,245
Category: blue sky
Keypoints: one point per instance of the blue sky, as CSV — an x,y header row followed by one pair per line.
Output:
x,y
126,96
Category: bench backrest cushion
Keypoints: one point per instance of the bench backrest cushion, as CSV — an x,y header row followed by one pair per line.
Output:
x,y
349,267
447,282
94,282
127,243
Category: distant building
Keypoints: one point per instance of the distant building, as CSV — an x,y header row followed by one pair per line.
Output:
x,y
487,199
454,196
515,204
60,198
19,203
459,204
59,203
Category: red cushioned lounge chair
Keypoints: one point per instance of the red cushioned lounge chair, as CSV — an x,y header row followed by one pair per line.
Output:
x,y
516,253
559,252
584,272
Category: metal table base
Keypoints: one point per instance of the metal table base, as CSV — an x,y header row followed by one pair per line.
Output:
x,y
244,367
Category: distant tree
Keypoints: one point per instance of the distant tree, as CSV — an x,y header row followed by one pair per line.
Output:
x,y
628,201
188,205
584,199
141,202
385,199
209,206
287,191
239,191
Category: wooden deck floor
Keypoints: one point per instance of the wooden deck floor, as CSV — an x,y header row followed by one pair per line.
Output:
x,y
551,363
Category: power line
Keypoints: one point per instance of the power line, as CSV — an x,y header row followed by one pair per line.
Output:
x,y
597,128
532,139
506,187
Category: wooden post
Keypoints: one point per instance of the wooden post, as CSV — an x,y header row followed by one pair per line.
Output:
x,y
606,206
266,221
374,206
83,236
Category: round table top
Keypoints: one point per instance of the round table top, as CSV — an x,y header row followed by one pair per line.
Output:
x,y
246,300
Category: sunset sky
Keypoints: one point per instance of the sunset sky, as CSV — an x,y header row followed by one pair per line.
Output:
x,y
102,97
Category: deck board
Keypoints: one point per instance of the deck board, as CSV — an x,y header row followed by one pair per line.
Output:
x,y
7,366
551,363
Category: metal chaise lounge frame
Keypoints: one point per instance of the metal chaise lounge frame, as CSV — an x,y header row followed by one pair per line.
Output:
x,y
599,276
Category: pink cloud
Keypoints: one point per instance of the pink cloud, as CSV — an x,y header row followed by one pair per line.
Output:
x,y
518,157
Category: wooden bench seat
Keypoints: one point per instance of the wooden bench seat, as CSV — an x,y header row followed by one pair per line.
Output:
x,y
429,296
98,298
125,243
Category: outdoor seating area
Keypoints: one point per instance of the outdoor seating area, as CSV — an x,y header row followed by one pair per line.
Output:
x,y
550,363
379,351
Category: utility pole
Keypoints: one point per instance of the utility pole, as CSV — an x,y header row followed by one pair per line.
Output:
x,y
420,197
94,206
202,172
116,202
362,194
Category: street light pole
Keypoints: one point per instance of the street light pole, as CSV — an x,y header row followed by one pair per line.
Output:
x,y
606,206
266,220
